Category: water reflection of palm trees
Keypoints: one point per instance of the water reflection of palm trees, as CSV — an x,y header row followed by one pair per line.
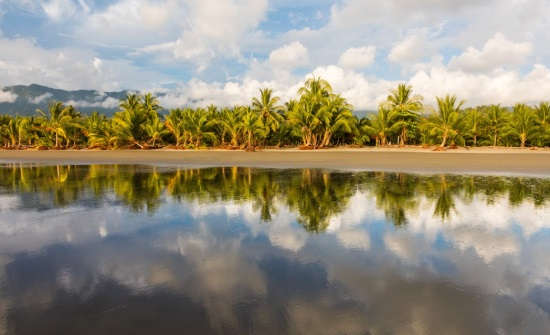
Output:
x,y
315,196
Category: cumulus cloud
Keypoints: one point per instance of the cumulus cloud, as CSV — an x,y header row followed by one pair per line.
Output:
x,y
289,56
358,58
212,28
25,62
496,53
411,49
505,87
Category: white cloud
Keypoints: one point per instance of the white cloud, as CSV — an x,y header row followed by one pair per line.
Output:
x,y
25,62
289,56
505,87
109,102
496,53
358,58
211,29
6,96
59,9
41,98
411,49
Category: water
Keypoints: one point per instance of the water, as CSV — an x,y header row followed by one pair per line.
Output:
x,y
145,250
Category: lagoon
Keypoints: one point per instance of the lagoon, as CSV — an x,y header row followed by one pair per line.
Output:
x,y
87,249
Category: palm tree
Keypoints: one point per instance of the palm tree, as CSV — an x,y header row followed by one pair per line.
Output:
x,y
151,105
99,131
523,124
57,119
305,119
543,121
231,122
155,129
474,124
382,125
174,123
448,120
199,126
497,118
268,107
335,115
252,127
402,101
135,113
316,89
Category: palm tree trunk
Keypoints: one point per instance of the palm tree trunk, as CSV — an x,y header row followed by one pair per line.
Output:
x,y
445,134
475,140
56,140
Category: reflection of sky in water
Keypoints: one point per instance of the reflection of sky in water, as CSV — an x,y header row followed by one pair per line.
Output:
x,y
214,266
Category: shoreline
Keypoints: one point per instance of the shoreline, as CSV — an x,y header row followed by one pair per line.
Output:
x,y
492,161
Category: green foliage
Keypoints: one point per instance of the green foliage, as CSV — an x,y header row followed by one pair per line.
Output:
x,y
317,118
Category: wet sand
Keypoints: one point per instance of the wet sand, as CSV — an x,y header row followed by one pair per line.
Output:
x,y
476,161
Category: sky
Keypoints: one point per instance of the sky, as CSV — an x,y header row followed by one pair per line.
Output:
x,y
224,51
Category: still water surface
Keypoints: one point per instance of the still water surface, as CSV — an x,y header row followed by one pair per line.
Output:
x,y
144,250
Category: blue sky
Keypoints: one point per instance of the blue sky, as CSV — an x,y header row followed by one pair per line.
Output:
x,y
223,51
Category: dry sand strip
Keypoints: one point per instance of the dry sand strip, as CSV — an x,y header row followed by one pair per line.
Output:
x,y
498,162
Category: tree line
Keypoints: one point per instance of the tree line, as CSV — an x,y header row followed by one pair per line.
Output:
x,y
316,118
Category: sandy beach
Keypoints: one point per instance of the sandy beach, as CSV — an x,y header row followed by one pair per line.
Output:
x,y
478,161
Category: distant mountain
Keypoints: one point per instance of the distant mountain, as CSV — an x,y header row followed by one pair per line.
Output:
x,y
24,100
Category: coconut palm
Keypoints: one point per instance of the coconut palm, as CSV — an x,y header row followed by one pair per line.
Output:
x,y
447,122
335,115
231,122
252,127
543,120
474,124
174,123
523,124
305,119
155,129
199,126
497,118
385,123
134,115
269,109
57,119
316,89
402,101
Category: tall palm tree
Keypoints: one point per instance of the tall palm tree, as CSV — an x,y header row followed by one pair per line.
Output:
x,y
523,124
447,121
316,89
385,123
252,127
155,129
304,117
269,109
174,123
543,120
151,105
231,123
497,118
335,115
199,126
407,105
474,123
57,119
